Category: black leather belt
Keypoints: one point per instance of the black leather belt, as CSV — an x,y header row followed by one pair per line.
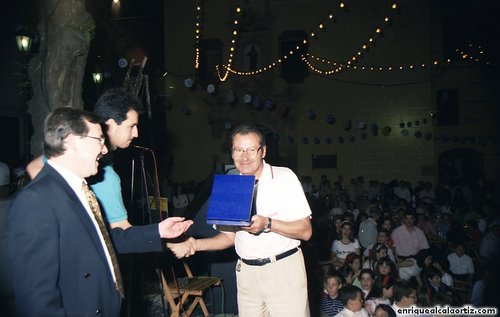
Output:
x,y
260,262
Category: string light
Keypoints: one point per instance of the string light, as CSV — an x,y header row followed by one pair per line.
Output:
x,y
224,70
409,67
197,36
364,47
232,49
228,68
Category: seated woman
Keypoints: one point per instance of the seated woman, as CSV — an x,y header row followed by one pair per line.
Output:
x,y
345,245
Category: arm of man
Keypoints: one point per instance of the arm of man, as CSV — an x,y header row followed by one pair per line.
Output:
x,y
140,239
299,229
109,193
191,245
221,241
34,167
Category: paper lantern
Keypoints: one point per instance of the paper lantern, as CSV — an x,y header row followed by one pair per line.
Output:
x,y
247,98
330,119
270,104
210,88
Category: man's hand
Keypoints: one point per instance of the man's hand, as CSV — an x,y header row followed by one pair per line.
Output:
x,y
257,225
183,249
173,227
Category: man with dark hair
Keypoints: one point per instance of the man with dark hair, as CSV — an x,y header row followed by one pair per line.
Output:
x,y
270,272
408,239
118,112
63,261
404,295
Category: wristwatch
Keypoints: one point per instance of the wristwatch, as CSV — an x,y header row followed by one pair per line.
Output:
x,y
269,224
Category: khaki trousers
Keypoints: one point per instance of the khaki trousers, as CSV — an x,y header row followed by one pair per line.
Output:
x,y
276,289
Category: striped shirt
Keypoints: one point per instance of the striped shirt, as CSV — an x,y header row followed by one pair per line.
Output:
x,y
330,306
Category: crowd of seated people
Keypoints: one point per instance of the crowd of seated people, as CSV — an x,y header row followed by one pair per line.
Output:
x,y
402,245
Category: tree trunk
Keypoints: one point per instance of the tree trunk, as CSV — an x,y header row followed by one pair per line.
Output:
x,y
56,73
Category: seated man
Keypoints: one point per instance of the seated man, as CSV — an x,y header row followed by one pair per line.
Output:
x,y
408,239
461,265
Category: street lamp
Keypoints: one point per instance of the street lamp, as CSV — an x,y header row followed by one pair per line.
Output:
x,y
97,77
23,43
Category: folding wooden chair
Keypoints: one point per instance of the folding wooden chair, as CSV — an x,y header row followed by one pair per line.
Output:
x,y
180,291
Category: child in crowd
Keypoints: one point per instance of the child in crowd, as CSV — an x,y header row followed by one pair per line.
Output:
x,y
352,298
378,251
404,294
381,294
367,278
437,287
354,262
385,268
347,273
383,310
330,303
443,266
382,237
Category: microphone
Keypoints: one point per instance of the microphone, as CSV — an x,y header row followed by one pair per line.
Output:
x,y
142,148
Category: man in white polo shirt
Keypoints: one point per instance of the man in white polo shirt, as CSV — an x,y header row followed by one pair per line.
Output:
x,y
271,275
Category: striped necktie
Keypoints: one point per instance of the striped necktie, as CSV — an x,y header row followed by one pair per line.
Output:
x,y
96,210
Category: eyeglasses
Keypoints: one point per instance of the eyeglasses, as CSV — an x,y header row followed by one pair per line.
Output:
x,y
101,139
251,151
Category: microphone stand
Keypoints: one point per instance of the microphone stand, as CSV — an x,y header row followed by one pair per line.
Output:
x,y
146,205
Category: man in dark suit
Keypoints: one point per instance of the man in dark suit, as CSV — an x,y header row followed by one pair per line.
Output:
x,y
63,262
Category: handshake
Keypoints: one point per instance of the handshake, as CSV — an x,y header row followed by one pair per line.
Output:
x,y
183,249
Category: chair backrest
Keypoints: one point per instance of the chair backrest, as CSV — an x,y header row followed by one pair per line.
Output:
x,y
179,290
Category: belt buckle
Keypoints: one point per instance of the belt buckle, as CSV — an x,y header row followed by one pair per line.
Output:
x,y
263,261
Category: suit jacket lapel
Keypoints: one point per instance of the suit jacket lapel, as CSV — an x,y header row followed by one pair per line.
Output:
x,y
77,208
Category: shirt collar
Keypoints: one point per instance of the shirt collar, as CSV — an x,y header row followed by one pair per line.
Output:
x,y
73,180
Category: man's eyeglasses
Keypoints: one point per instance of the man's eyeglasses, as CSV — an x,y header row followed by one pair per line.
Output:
x,y
251,151
101,139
